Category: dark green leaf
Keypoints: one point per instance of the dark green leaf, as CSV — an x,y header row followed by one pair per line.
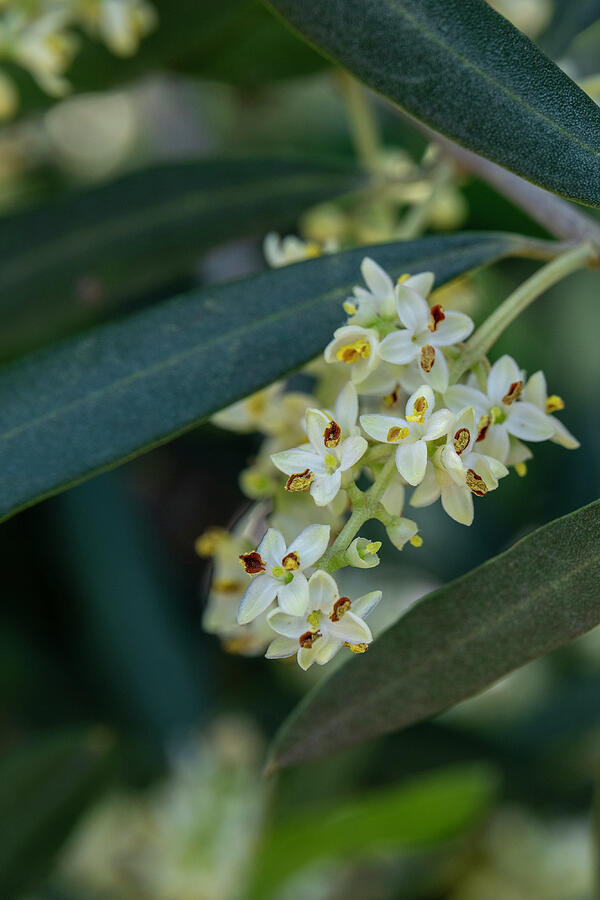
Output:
x,y
44,788
424,811
539,595
96,400
66,263
467,72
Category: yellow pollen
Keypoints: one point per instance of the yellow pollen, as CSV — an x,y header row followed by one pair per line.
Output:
x,y
291,562
349,308
301,481
227,586
390,399
476,484
427,357
351,353
554,403
419,409
356,648
256,403
403,278
372,547
208,542
312,249
416,541
314,618
278,571
461,440
396,434
521,469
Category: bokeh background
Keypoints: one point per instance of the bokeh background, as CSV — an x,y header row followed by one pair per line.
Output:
x,y
131,742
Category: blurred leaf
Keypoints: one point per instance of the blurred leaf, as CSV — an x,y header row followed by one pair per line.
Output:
x,y
75,259
431,808
133,642
467,72
44,788
93,401
538,595
568,21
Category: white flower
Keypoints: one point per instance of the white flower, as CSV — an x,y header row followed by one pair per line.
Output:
x,y
425,331
502,411
327,623
365,307
290,249
122,23
278,571
357,347
362,553
333,450
536,392
410,435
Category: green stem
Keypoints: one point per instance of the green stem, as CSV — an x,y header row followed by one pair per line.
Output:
x,y
362,121
415,221
479,344
365,509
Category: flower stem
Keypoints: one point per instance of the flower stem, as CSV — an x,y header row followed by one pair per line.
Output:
x,y
362,121
478,345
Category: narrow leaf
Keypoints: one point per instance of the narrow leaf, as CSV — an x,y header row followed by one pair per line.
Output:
x,y
467,72
98,399
72,261
538,595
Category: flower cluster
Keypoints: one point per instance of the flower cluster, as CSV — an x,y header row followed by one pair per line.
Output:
x,y
39,36
392,406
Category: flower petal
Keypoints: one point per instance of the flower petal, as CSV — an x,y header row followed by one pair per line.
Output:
x,y
460,395
325,487
392,499
316,421
563,436
376,279
438,376
455,327
529,423
503,373
281,647
365,604
351,451
272,547
323,591
438,424
259,594
536,390
420,283
326,649
351,628
296,460
398,347
495,443
458,502
293,597
411,461
378,425
346,409
311,544
422,391
413,310
287,625
428,491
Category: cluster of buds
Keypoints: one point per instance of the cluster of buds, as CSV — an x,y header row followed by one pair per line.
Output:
x,y
39,36
387,410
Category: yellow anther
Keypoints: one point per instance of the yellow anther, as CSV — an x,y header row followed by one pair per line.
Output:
x,y
416,541
396,433
419,409
391,399
349,308
278,571
206,545
291,562
301,481
476,484
427,357
403,278
256,404
554,403
373,547
356,648
461,440
314,618
521,469
351,353
340,608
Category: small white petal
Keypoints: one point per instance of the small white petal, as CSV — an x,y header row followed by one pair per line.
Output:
x,y
458,502
536,391
401,532
503,373
438,424
325,487
517,453
563,436
307,655
366,604
455,327
378,425
495,443
316,421
398,347
411,461
393,496
325,649
351,628
413,310
293,597
272,547
439,374
376,279
382,380
460,395
281,647
422,391
295,460
311,544
323,591
420,283
428,491
259,594
453,464
287,625
529,423
346,409
351,451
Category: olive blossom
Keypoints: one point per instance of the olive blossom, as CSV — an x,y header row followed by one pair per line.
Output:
x,y
327,623
357,348
536,392
278,571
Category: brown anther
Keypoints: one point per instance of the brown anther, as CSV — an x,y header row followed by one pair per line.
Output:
x,y
253,562
427,357
391,399
484,424
461,440
476,484
332,434
227,586
301,481
356,648
513,393
340,607
437,315
307,639
291,562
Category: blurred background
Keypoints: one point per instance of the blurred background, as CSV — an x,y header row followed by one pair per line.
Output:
x,y
132,742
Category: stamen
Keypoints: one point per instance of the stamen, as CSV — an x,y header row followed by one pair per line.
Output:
x,y
521,469
554,403
227,586
391,399
420,407
476,484
301,481
462,439
396,434
349,308
373,547
291,562
356,648
416,541
484,424
340,608
332,434
208,542
253,563
513,393
351,353
427,357
403,278
437,315
307,639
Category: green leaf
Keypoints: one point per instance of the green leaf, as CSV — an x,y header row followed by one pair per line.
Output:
x,y
96,400
425,811
44,788
467,72
538,595
69,262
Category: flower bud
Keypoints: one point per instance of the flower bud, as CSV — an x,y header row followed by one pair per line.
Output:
x,y
362,553
401,531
